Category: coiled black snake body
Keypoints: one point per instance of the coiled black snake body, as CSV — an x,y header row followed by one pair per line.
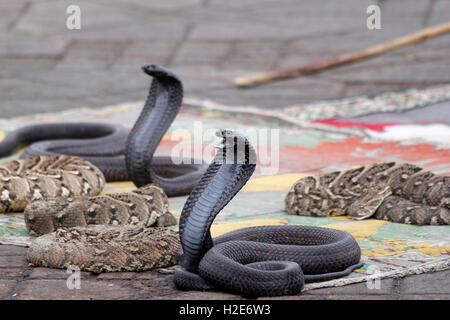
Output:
x,y
105,145
256,261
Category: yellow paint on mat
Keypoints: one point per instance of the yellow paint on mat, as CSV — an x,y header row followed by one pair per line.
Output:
x,y
122,109
2,135
427,248
341,218
271,183
390,248
219,229
122,186
360,230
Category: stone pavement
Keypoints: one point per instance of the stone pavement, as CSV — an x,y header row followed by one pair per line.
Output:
x,y
19,281
47,67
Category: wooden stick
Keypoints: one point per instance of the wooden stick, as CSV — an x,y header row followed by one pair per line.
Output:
x,y
419,36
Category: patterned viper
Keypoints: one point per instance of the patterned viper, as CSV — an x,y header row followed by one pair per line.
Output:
x,y
397,192
25,180
257,261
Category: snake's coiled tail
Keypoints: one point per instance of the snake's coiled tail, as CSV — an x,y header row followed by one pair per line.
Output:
x,y
258,261
105,145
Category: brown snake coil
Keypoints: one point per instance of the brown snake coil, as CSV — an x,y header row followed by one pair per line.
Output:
x,y
144,207
26,180
397,192
104,233
100,248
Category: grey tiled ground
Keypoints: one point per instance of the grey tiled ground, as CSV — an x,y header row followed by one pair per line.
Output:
x,y
19,281
46,67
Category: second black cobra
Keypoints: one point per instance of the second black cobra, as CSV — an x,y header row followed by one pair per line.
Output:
x,y
104,145
256,261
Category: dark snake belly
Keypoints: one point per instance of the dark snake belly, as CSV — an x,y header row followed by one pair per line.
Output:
x,y
258,261
119,154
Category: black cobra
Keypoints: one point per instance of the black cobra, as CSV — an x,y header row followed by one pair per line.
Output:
x,y
105,144
256,261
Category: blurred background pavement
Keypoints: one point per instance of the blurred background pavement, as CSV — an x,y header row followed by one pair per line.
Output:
x,y
44,66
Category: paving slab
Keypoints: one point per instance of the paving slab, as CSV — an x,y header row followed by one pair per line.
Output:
x,y
426,284
210,43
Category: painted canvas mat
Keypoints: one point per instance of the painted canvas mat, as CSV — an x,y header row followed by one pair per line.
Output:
x,y
286,154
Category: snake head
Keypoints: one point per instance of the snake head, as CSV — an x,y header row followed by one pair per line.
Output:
x,y
230,138
235,147
227,133
159,72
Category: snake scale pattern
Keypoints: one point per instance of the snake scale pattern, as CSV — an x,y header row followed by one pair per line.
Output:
x,y
100,248
26,180
397,192
144,207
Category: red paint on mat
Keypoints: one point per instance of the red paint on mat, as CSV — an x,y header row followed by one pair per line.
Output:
x,y
342,154
366,125
353,151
